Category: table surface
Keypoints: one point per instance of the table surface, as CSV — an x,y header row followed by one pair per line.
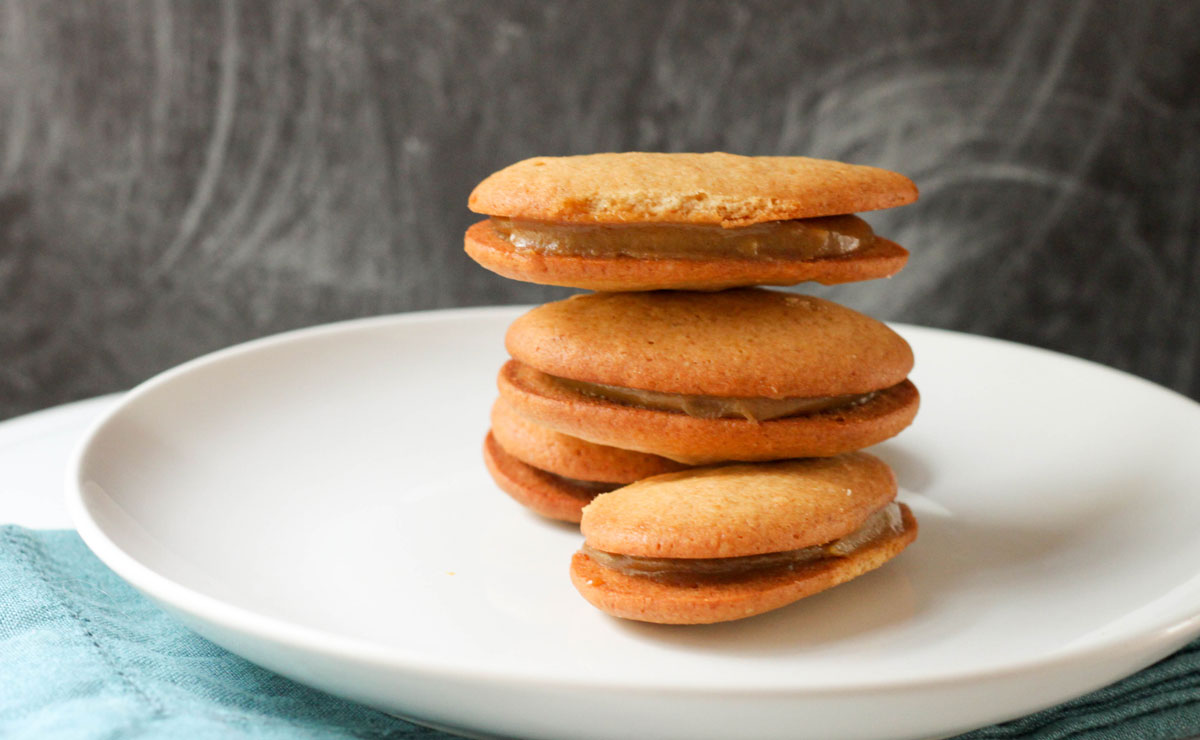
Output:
x,y
34,453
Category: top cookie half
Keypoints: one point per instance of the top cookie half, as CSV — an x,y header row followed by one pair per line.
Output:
x,y
648,221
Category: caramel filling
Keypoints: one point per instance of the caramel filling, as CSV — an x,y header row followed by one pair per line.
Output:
x,y
802,239
714,407
592,487
883,523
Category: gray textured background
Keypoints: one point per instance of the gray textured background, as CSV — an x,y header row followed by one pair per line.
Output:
x,y
177,177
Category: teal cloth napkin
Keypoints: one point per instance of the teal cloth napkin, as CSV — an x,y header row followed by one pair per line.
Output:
x,y
83,655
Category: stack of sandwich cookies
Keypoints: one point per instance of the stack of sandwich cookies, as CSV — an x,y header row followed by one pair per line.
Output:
x,y
646,221
610,398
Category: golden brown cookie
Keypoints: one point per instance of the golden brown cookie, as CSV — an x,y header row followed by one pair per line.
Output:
x,y
723,543
706,377
714,188
568,456
648,221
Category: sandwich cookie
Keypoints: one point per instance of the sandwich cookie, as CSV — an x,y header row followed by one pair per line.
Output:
x,y
718,544
745,375
554,474
648,221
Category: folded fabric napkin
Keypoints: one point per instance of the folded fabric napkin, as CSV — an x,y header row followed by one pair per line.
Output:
x,y
84,655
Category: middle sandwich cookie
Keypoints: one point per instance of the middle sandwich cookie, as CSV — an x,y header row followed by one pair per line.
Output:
x,y
747,374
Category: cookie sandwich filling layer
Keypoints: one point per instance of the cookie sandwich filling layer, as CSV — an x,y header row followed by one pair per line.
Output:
x,y
804,239
589,487
886,522
714,407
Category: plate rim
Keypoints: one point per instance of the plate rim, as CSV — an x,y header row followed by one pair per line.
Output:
x,y
1176,624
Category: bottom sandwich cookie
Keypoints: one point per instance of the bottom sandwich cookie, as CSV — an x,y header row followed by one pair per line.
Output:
x,y
722,543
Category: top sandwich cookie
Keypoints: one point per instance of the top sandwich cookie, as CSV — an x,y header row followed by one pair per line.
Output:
x,y
648,221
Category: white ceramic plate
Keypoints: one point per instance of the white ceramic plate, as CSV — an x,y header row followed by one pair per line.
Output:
x,y
317,503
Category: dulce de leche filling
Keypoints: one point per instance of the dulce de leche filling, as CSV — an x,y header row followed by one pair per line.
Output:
x,y
802,239
885,522
590,487
714,407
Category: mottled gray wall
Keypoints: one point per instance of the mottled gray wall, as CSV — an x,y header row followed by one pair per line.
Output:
x,y
176,177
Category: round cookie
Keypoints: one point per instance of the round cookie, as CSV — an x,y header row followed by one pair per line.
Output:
x,y
744,347
731,511
722,195
716,544
750,342
568,456
728,190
